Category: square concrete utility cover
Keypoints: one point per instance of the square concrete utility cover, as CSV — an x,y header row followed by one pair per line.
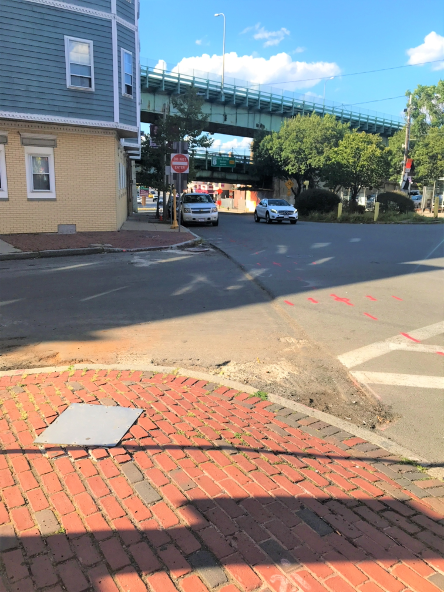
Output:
x,y
90,425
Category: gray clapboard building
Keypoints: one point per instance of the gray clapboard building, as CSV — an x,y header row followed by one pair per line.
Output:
x,y
69,113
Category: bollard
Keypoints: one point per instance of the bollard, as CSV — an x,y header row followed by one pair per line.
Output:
x,y
436,207
376,211
339,210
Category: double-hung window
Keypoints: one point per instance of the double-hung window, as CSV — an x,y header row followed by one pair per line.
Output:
x,y
40,172
3,180
79,63
127,73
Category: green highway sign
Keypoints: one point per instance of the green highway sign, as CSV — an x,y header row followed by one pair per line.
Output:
x,y
223,161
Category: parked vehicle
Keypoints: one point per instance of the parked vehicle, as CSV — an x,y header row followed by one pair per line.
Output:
x,y
275,209
198,207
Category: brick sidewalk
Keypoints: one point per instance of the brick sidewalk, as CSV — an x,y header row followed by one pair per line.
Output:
x,y
209,491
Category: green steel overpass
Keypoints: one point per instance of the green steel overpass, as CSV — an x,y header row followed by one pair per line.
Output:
x,y
241,108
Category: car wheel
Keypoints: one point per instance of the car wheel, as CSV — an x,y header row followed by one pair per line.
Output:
x,y
267,218
293,221
216,223
256,217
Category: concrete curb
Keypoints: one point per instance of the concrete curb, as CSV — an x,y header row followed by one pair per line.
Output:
x,y
92,251
346,426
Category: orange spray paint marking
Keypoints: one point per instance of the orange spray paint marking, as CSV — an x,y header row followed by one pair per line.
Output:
x,y
371,298
370,316
313,300
288,302
396,298
410,337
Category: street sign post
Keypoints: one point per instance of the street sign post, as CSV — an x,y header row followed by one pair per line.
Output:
x,y
223,161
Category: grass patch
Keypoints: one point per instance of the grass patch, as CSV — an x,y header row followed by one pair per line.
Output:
x,y
261,394
367,218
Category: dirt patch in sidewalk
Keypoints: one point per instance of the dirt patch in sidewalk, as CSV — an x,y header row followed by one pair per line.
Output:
x,y
123,239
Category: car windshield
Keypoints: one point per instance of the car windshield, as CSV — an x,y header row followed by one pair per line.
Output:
x,y
278,202
193,198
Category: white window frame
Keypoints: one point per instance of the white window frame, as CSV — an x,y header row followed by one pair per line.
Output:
x,y
37,194
122,72
3,177
68,64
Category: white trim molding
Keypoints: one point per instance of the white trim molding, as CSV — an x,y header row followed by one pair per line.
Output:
x,y
68,121
31,151
3,176
86,11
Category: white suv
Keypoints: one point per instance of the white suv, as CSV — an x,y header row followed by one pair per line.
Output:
x,y
199,207
275,209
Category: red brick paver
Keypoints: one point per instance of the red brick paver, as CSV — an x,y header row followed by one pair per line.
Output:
x,y
205,494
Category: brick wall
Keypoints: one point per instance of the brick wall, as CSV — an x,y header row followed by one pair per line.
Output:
x,y
86,181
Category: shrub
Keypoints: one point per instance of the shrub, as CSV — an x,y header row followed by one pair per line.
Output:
x,y
352,207
395,202
316,200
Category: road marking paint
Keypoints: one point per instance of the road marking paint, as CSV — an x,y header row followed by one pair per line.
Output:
x,y
319,245
396,298
289,303
440,353
355,240
371,298
398,342
320,261
370,316
410,337
288,271
393,379
339,299
313,300
71,266
103,294
274,263
258,264
6,302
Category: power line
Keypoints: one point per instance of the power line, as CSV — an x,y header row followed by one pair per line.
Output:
x,y
356,73
374,101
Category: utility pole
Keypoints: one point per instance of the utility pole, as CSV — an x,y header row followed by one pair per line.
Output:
x,y
406,144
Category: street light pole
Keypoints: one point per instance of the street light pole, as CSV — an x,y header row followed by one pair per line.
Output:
x,y
325,82
223,53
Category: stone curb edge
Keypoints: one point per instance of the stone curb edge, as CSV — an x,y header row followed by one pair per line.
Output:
x,y
344,425
93,251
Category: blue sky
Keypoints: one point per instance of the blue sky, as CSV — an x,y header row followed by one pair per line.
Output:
x,y
284,40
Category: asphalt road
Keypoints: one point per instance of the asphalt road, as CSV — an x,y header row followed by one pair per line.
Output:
x,y
372,295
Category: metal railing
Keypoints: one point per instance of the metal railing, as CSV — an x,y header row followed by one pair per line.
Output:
x,y
262,97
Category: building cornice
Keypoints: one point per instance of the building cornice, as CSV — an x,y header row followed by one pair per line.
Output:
x,y
50,119
87,11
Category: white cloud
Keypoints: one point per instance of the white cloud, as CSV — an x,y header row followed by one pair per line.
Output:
x,y
199,41
432,49
271,37
236,145
298,50
278,68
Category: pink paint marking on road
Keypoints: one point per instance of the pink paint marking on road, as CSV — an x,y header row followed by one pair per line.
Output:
x,y
339,299
440,353
274,263
370,316
410,337
371,298
396,298
258,264
288,271
313,300
288,302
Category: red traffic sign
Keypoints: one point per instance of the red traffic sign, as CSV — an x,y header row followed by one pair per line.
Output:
x,y
180,163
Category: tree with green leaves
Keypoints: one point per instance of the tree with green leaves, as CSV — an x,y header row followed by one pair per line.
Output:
x,y
186,123
299,149
427,114
359,160
428,156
